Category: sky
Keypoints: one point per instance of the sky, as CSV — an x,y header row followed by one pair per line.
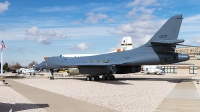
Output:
x,y
33,29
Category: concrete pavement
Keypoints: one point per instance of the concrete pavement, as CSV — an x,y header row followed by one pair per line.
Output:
x,y
183,98
56,102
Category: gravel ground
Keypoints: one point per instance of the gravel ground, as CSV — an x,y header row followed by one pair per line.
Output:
x,y
124,96
11,101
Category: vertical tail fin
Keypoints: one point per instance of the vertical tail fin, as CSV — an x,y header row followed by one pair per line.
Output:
x,y
169,31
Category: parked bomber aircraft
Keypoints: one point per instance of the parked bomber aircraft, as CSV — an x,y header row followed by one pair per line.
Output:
x,y
158,50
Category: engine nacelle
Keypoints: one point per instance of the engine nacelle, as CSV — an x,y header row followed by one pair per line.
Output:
x,y
127,69
73,71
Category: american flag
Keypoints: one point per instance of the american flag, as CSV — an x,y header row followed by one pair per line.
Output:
x,y
2,45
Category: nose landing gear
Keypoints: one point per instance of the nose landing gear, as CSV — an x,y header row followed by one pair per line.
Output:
x,y
51,76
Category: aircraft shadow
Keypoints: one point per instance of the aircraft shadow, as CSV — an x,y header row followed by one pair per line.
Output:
x,y
7,107
100,81
171,80
118,81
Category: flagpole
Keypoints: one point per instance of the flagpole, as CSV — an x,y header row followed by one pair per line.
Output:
x,y
2,62
2,46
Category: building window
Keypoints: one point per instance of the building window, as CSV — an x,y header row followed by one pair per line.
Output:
x,y
196,55
170,69
193,69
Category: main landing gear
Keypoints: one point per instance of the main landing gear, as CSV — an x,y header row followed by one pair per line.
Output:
x,y
92,78
96,78
108,77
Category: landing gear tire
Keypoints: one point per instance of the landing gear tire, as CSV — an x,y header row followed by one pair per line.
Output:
x,y
93,78
88,78
97,78
112,77
51,78
108,77
104,77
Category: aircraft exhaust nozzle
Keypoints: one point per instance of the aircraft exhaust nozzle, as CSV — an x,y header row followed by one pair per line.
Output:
x,y
183,57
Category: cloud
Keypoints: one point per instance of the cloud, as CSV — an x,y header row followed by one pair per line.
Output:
x,y
101,8
192,18
57,9
187,42
140,31
31,52
4,7
140,11
190,29
95,18
144,24
33,31
43,37
84,46
110,20
114,48
138,27
77,22
81,46
140,7
197,40
131,13
1,29
142,3
19,50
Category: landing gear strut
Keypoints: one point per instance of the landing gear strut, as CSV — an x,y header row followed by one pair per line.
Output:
x,y
51,76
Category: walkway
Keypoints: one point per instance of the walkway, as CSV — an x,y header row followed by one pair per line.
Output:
x,y
184,97
56,102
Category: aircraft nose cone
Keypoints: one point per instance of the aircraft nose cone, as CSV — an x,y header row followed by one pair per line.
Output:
x,y
40,65
183,57
37,66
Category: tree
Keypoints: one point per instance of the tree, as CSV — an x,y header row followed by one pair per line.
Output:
x,y
5,66
31,64
10,68
17,66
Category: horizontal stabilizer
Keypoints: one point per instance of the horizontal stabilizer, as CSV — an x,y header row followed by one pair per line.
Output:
x,y
168,41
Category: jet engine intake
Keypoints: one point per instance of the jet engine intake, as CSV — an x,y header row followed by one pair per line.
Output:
x,y
73,71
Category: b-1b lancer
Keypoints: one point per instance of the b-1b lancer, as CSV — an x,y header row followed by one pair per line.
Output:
x,y
160,49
